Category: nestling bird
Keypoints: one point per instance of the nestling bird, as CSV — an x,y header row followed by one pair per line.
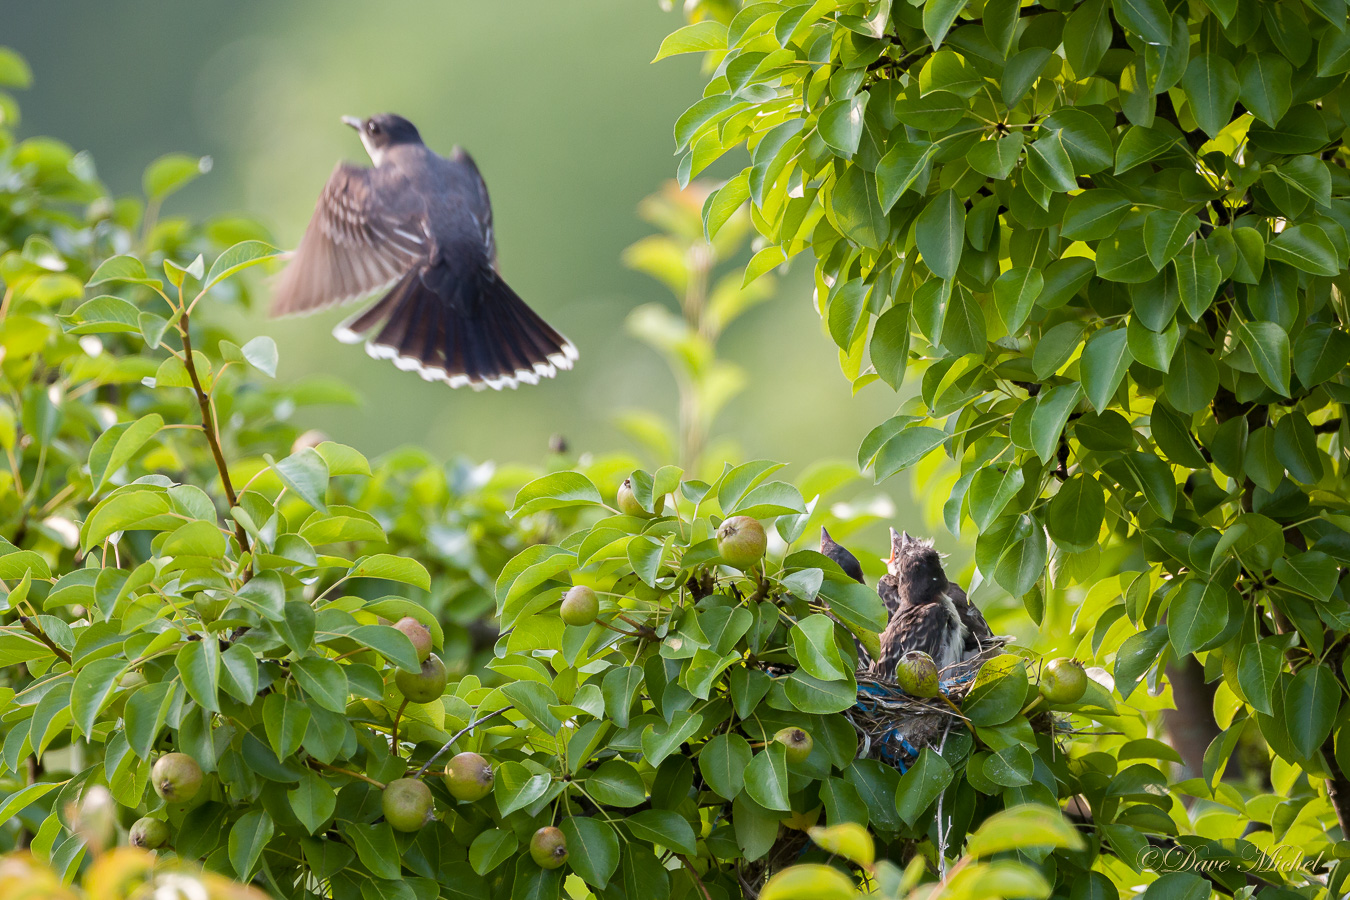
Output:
x,y
931,614
420,225
841,556
853,569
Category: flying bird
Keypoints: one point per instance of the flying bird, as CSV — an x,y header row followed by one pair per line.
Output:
x,y
418,225
931,613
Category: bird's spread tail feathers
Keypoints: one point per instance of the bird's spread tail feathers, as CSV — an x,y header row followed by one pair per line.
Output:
x,y
461,328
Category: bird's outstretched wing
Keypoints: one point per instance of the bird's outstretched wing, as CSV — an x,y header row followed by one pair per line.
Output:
x,y
354,244
476,195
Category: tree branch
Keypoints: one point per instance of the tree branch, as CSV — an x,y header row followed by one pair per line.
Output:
x,y
209,426
32,628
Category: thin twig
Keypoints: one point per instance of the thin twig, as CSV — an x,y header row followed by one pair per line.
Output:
x,y
393,743
459,734
693,873
209,427
943,833
317,764
32,628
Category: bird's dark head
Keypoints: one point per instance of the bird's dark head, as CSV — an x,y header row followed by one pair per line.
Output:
x,y
902,544
846,560
379,133
919,569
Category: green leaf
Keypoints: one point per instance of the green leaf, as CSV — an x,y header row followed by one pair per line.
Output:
x,y
261,353
657,745
814,645
198,664
516,787
992,158
902,165
1258,673
723,762
323,680
617,783
556,491
1269,346
248,837
990,491
1316,695
1094,214
1211,88
938,16
889,347
841,124
592,849
724,203
662,826
906,448
1311,572
93,688
1075,514
127,269
128,443
939,232
313,801
697,38
235,259
389,642
1305,247
1015,293
1021,828
920,786
1140,145
1265,86
766,778
1049,417
532,700
392,568
1197,616
1123,256
812,695
306,474
1165,233
491,848
1191,380
1320,353
103,315
1106,358
1198,277
1049,162
172,172
1087,36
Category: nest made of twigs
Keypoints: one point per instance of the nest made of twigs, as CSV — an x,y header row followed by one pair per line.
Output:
x,y
894,726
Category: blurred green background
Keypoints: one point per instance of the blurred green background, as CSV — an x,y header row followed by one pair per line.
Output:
x,y
571,127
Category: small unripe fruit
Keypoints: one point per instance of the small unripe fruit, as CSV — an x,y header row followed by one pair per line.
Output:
x,y
797,742
741,542
418,633
580,606
468,777
917,674
406,803
148,834
548,848
426,685
628,504
1063,680
176,777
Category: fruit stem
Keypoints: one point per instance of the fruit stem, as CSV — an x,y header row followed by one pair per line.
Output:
x,y
393,743
317,764
1033,704
956,709
636,634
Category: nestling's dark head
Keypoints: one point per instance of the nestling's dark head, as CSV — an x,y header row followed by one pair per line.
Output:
x,y
845,560
919,568
378,133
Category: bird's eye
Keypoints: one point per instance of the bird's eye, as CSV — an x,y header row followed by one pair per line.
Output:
x,y
373,127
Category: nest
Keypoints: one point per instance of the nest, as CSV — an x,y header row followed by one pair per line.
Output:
x,y
894,726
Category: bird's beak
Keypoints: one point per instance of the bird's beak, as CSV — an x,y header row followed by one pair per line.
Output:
x,y
890,559
352,121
